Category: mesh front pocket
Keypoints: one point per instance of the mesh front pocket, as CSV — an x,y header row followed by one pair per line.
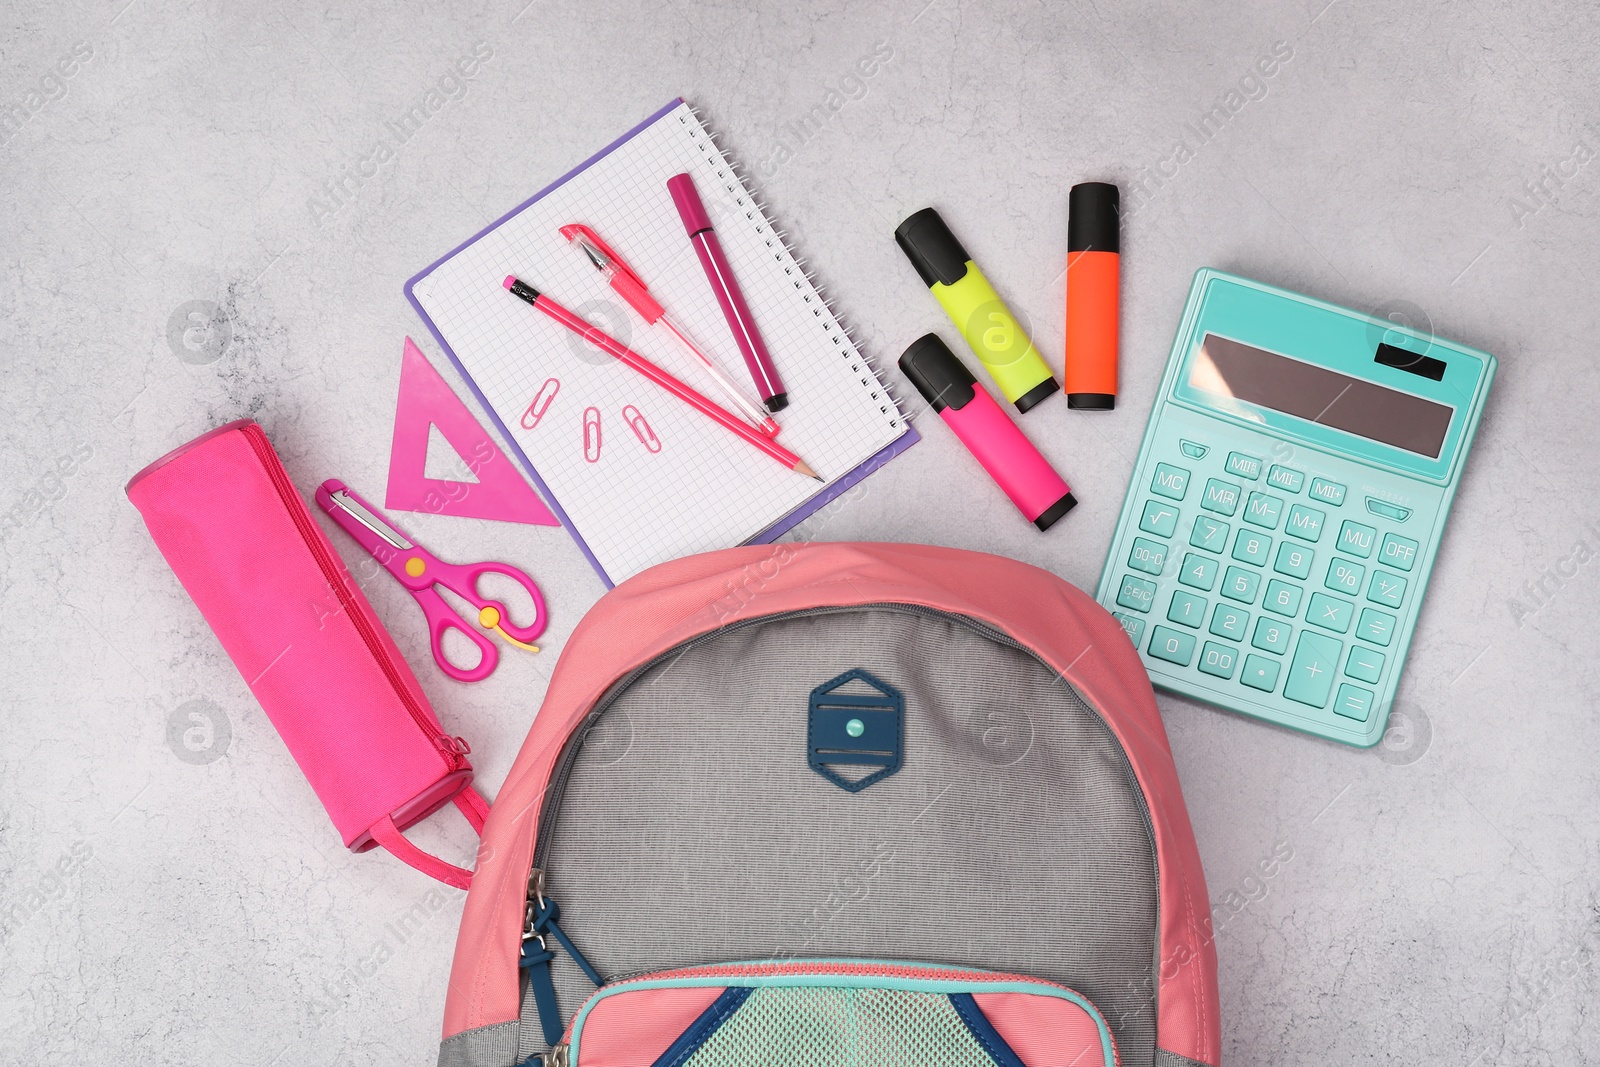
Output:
x,y
839,1013
802,1027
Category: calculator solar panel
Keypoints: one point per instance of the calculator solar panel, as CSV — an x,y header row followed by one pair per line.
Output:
x,y
1287,505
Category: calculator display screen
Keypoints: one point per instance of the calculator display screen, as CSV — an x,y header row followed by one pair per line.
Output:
x,y
1228,369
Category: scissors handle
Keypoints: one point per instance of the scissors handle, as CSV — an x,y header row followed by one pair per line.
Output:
x,y
467,577
442,617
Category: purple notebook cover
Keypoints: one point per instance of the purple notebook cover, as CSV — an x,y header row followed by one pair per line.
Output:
x,y
788,522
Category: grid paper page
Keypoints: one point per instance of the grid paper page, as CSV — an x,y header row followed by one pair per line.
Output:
x,y
702,487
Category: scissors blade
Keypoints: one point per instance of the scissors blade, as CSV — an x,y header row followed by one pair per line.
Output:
x,y
350,506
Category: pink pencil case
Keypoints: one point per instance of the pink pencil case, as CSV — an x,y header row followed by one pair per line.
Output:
x,y
224,513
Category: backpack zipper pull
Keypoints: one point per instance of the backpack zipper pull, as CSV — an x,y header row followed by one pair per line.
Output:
x,y
545,917
558,1056
542,915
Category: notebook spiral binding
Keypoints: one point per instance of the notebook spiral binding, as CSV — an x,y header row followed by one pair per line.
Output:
x,y
827,315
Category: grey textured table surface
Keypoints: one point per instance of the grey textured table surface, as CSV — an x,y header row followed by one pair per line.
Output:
x,y
173,893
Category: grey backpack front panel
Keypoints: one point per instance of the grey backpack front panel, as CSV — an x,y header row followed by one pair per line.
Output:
x,y
690,827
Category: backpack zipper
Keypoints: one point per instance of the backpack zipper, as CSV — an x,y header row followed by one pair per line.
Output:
x,y
452,750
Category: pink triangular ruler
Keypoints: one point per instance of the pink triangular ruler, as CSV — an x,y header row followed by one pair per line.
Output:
x,y
500,492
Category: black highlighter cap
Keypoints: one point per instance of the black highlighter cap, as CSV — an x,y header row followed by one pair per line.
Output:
x,y
932,249
1093,218
942,379
1055,511
1048,387
1092,401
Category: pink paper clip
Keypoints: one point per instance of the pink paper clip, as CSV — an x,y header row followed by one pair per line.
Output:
x,y
641,429
591,434
541,403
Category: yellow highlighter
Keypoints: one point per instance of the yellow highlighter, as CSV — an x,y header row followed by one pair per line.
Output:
x,y
1001,344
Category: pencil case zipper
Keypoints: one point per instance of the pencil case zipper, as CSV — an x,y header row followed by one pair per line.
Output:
x,y
452,750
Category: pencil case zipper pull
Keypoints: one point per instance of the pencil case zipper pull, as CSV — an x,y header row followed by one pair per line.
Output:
x,y
542,916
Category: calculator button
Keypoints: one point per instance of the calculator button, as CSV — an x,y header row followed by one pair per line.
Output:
x,y
1132,625
1169,481
1386,589
1375,626
1329,612
1326,491
1259,673
1147,555
1240,584
1209,534
1198,572
1172,646
1385,510
1285,478
1364,664
1186,609
1158,518
1251,547
1263,510
1282,598
1356,539
1136,593
1192,450
1293,560
1221,497
1311,671
1398,552
1344,576
1271,635
1354,702
1218,659
1244,466
1229,622
1304,522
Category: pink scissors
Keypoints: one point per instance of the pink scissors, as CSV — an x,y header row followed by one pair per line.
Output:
x,y
419,571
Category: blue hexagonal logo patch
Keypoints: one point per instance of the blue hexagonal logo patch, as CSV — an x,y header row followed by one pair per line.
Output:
x,y
855,730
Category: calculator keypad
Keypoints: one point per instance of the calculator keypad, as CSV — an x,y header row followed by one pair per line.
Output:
x,y
1284,584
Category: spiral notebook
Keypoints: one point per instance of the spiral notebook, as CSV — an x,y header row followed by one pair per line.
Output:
x,y
636,475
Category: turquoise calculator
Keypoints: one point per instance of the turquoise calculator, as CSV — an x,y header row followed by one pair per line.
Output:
x,y
1287,505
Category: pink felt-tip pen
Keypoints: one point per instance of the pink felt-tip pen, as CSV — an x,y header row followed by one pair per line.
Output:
x,y
729,295
989,434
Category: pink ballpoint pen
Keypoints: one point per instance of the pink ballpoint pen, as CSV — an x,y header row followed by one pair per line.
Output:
x,y
631,288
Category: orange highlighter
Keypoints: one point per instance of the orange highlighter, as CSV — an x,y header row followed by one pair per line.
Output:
x,y
1094,249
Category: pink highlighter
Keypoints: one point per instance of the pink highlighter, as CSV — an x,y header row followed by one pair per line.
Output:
x,y
989,434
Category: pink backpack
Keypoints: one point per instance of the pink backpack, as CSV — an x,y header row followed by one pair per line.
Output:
x,y
851,804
